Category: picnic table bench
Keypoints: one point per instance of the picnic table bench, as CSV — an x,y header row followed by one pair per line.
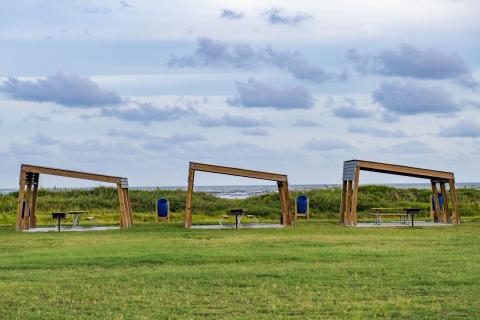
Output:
x,y
403,213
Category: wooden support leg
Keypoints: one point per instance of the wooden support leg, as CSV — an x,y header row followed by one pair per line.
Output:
x,y
33,209
355,197
128,207
342,202
446,212
28,194
436,211
285,203
130,211
348,203
21,193
451,184
188,200
123,213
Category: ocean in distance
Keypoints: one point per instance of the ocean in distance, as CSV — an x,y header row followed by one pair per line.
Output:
x,y
242,192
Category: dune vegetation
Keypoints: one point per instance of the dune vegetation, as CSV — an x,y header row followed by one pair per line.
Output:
x,y
102,202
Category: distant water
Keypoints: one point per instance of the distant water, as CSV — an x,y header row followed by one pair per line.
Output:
x,y
242,192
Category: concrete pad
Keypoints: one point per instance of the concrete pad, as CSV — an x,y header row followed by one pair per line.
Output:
x,y
70,229
401,225
242,226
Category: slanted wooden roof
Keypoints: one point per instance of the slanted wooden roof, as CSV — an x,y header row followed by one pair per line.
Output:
x,y
349,170
238,172
74,174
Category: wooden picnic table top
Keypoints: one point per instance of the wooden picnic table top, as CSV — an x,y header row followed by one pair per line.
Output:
x,y
76,212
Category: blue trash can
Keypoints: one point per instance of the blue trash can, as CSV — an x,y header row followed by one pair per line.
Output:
x,y
440,201
162,208
302,202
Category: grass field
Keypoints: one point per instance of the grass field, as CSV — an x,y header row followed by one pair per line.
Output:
x,y
315,270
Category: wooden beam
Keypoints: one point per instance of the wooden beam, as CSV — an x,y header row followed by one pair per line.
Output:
x,y
129,207
446,211
188,199
123,213
436,203
281,198
70,173
342,202
355,196
238,172
26,214
456,218
284,196
403,170
348,203
21,193
33,209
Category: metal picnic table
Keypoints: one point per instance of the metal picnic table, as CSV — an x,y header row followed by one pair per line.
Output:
x,y
404,213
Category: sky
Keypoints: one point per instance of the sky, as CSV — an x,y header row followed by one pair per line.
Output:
x,y
140,88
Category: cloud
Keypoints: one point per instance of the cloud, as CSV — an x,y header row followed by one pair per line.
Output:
x,y
146,113
305,123
348,109
255,132
43,140
185,137
36,117
93,9
294,63
257,94
141,136
277,16
218,54
228,120
412,97
326,145
408,61
65,90
411,147
230,14
467,128
377,132
125,4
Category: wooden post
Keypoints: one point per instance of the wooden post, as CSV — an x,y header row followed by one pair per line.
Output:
x,y
342,202
281,198
355,196
348,203
21,192
284,197
123,213
445,202
436,211
33,209
188,200
26,214
451,184
129,206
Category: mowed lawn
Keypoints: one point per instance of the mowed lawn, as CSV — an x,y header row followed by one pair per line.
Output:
x,y
316,270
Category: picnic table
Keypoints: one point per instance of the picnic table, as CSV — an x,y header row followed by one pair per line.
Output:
x,y
75,217
238,213
403,213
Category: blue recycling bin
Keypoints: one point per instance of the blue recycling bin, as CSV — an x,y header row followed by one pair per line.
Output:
x,y
440,201
162,208
302,203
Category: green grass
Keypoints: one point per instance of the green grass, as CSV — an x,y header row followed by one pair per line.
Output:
x,y
315,270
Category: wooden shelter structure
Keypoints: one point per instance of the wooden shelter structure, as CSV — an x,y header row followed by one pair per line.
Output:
x,y
351,176
27,193
281,179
